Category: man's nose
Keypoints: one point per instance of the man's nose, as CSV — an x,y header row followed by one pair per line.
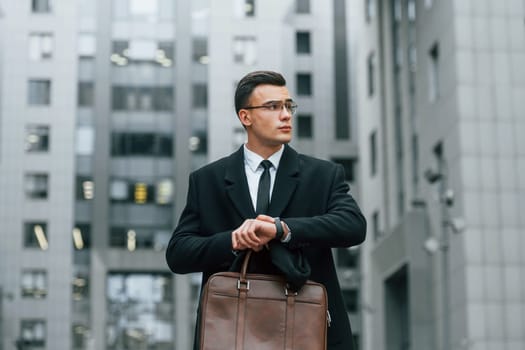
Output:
x,y
285,113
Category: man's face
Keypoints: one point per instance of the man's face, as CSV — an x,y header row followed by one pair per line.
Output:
x,y
268,125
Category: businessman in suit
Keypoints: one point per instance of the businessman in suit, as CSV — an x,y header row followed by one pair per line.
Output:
x,y
264,194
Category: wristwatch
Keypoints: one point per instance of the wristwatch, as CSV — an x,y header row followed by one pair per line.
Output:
x,y
280,232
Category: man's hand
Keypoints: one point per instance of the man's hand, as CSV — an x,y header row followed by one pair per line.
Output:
x,y
254,233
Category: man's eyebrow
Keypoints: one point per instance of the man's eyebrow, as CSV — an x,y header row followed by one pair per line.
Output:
x,y
277,101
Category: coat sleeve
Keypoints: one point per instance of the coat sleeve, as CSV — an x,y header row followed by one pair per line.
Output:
x,y
188,249
342,225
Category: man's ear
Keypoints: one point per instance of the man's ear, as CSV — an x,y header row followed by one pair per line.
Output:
x,y
245,118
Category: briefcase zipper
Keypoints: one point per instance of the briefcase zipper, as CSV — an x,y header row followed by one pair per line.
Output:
x,y
328,318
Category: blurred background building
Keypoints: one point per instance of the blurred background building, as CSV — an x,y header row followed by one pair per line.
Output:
x,y
107,106
440,100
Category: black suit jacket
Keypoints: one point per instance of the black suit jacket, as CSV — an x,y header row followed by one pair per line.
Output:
x,y
309,194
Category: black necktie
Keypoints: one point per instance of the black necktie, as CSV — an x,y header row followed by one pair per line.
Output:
x,y
263,192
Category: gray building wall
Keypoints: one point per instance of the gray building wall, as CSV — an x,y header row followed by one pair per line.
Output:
x,y
468,93
18,22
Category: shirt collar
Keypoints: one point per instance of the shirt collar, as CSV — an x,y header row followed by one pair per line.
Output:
x,y
253,160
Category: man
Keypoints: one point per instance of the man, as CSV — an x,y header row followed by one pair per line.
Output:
x,y
226,199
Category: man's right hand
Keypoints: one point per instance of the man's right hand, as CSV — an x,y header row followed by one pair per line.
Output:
x,y
253,234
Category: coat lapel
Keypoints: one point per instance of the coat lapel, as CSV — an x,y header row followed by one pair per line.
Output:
x,y
286,181
237,185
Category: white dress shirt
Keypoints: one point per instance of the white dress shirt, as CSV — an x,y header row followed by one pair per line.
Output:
x,y
254,170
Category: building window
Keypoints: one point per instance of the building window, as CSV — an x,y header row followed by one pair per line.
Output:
x,y
37,138
36,186
39,92
302,42
40,46
85,188
81,236
156,238
139,305
80,336
34,284
33,333
347,258
85,94
245,50
302,6
304,84
371,72
141,144
249,8
200,50
433,73
370,8
348,167
139,192
376,231
351,299
200,95
199,142
142,98
40,6
373,153
80,287
35,235
304,126
244,8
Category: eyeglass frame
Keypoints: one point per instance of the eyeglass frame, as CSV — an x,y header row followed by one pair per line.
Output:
x,y
292,107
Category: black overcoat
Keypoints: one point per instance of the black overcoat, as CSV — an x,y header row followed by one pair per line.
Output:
x,y
309,194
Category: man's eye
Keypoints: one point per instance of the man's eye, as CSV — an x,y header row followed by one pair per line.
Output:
x,y
273,106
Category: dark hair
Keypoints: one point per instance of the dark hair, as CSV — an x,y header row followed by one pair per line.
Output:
x,y
250,81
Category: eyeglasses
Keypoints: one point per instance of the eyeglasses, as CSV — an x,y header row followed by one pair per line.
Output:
x,y
277,106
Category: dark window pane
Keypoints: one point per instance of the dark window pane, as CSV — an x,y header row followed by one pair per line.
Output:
x,y
85,94
350,297
40,6
348,258
37,138
249,8
199,143
84,188
302,6
302,42
141,144
200,95
304,126
166,49
36,186
163,99
32,333
82,236
200,49
304,84
373,153
35,235
348,165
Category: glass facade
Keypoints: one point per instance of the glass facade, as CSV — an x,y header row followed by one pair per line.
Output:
x,y
140,311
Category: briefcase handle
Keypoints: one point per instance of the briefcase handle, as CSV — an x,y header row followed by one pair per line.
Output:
x,y
243,283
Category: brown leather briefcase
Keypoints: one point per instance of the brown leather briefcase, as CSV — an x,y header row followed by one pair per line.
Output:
x,y
243,311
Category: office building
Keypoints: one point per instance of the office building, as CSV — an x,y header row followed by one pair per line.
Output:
x,y
439,98
106,107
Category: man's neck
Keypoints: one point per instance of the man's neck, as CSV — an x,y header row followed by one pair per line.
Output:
x,y
265,151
